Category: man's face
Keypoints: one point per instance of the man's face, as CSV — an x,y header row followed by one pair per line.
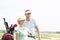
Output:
x,y
28,15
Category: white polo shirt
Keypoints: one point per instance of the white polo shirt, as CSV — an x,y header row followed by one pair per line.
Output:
x,y
31,25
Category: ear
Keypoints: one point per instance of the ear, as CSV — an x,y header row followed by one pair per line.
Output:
x,y
25,13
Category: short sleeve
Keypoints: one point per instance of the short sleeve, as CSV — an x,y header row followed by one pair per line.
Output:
x,y
17,32
16,29
34,22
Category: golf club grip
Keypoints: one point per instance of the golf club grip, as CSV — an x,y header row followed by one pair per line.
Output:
x,y
31,36
6,23
4,19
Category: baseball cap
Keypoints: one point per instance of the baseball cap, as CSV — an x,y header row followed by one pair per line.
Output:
x,y
28,12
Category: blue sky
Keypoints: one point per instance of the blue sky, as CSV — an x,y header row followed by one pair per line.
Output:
x,y
45,12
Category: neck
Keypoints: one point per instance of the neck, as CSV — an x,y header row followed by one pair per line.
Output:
x,y
28,19
21,25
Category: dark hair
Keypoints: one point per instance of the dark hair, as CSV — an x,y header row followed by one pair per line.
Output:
x,y
27,10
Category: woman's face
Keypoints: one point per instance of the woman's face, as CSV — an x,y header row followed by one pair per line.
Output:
x,y
21,22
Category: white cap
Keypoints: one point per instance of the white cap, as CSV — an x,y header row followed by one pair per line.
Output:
x,y
27,12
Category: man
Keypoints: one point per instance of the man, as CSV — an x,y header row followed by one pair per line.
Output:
x,y
31,24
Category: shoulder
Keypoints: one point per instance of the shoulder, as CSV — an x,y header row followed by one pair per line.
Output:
x,y
32,20
16,28
26,28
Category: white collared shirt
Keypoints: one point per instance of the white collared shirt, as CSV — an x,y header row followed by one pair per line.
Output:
x,y
31,25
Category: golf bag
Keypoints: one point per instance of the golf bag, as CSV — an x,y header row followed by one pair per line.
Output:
x,y
9,34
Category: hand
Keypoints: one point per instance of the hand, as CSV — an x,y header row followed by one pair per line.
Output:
x,y
38,37
30,33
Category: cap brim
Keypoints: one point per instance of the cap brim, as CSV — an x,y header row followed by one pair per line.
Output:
x,y
28,12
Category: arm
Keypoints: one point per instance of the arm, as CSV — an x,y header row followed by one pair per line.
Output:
x,y
17,36
37,29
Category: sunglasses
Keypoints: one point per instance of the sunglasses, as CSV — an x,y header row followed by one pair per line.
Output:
x,y
29,13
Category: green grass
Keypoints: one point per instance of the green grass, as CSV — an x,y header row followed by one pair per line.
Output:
x,y
50,35
1,34
43,35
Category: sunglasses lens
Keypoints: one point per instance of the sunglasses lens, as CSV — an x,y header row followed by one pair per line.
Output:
x,y
29,13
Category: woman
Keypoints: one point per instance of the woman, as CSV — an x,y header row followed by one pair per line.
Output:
x,y
22,32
